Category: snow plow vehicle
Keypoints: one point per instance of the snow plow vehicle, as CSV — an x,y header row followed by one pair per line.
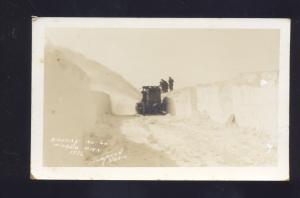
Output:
x,y
151,103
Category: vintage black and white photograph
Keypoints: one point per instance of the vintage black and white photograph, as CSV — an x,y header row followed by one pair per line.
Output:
x,y
170,99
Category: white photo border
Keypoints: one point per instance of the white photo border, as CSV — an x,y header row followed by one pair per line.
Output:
x,y
38,171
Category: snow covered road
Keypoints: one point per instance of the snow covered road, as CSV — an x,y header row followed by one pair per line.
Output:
x,y
199,141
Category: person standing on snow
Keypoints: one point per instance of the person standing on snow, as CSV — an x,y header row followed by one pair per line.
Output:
x,y
164,85
171,83
161,84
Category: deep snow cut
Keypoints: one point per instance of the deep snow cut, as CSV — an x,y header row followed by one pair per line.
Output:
x,y
207,125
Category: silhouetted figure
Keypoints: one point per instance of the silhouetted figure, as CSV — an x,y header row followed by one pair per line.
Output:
x,y
144,94
164,85
171,83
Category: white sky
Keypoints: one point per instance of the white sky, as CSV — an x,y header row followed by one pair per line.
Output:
x,y
190,56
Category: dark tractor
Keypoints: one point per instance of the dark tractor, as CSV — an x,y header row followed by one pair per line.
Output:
x,y
151,103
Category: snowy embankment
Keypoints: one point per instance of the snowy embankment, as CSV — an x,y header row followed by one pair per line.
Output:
x,y
71,107
77,89
79,94
250,100
122,94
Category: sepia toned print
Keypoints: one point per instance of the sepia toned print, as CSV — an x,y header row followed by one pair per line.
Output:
x,y
130,97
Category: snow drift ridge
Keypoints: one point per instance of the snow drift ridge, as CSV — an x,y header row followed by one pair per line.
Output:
x,y
250,100
122,94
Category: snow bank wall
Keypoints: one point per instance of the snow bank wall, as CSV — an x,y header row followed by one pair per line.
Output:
x,y
123,95
253,105
251,99
182,102
71,107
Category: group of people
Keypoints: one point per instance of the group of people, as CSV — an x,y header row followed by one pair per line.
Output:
x,y
165,86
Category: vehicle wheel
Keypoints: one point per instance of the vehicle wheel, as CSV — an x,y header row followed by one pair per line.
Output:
x,y
140,108
164,105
